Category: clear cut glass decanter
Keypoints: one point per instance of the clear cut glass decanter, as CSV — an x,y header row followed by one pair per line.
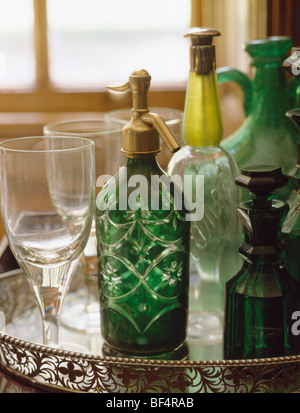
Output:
x,y
216,237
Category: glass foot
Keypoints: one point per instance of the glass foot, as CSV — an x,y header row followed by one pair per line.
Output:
x,y
82,318
205,326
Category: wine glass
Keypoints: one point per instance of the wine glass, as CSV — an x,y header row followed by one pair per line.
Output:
x,y
47,206
106,134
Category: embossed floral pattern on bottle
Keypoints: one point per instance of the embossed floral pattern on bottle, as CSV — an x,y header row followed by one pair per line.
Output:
x,y
215,238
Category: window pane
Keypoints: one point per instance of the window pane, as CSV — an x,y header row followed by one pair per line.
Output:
x,y
103,41
17,61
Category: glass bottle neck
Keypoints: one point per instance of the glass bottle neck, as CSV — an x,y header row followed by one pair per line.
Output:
x,y
262,261
262,220
262,225
202,121
270,92
142,165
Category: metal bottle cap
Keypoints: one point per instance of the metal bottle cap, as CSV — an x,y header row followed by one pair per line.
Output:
x,y
202,50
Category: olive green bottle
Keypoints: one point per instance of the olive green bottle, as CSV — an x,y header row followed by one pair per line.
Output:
x,y
262,305
143,243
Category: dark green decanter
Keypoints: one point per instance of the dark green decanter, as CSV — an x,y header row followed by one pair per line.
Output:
x,y
262,304
143,244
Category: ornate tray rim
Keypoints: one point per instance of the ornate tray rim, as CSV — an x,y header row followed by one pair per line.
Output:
x,y
19,358
274,375
120,361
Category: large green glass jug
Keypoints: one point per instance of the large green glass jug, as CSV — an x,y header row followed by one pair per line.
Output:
x,y
266,136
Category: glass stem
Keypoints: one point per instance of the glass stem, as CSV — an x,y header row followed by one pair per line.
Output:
x,y
50,330
92,290
50,285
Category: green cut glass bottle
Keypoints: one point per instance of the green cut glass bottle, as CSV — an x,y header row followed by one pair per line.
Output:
x,y
262,299
266,136
143,246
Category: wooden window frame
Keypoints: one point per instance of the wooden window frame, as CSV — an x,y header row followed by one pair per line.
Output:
x,y
44,97
24,111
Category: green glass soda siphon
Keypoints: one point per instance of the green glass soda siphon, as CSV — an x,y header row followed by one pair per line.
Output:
x,y
262,307
143,243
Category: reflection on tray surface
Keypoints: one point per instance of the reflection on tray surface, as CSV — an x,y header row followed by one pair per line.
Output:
x,y
27,326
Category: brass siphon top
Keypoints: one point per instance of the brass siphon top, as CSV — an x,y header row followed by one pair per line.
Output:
x,y
141,134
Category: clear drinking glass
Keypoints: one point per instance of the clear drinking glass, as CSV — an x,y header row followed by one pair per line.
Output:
x,y
173,119
47,206
107,137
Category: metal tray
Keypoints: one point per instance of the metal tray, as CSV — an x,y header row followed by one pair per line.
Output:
x,y
57,370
